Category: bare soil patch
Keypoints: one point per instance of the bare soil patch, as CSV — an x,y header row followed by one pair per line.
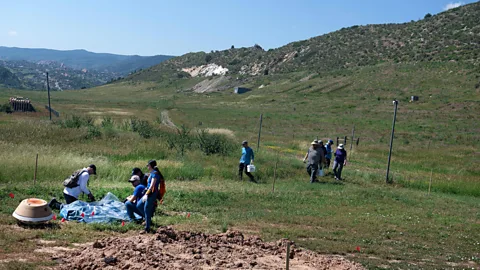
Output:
x,y
171,249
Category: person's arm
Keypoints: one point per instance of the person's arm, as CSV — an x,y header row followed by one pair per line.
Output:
x,y
83,180
133,197
150,189
306,156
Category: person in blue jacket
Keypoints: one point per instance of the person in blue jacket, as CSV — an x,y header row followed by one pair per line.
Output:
x,y
246,159
151,193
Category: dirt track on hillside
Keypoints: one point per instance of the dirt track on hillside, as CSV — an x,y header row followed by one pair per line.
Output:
x,y
169,249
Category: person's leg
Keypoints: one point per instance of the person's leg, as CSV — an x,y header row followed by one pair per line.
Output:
x,y
240,170
130,208
140,208
327,166
340,168
313,175
309,169
54,204
69,199
335,166
249,175
149,211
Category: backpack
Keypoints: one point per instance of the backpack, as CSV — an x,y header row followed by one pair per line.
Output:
x,y
72,180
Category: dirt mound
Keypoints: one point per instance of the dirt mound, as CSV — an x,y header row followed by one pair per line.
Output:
x,y
170,249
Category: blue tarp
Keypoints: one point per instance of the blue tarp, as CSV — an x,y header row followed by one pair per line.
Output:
x,y
109,209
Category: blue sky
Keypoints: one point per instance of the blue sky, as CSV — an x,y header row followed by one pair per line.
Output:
x,y
179,26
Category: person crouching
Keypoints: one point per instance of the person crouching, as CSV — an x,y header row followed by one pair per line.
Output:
x,y
133,201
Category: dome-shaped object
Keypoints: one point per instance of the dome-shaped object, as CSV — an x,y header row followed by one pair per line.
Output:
x,y
33,211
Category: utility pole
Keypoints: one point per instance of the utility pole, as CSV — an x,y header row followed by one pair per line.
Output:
x,y
353,136
49,106
259,132
395,102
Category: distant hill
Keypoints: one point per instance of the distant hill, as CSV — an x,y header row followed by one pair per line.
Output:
x,y
29,75
82,59
8,79
453,35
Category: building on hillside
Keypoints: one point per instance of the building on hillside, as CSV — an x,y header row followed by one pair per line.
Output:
x,y
241,90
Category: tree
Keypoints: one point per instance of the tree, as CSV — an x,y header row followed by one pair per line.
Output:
x,y
428,15
233,47
208,58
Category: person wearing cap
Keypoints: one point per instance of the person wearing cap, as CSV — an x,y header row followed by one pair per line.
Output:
x,y
328,155
134,200
246,159
151,193
339,162
313,157
72,194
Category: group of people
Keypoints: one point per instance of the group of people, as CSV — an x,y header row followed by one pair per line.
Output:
x,y
148,191
149,188
318,157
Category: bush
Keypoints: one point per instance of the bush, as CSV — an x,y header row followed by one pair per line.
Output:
x,y
211,144
93,132
208,58
142,127
110,132
75,121
107,122
181,140
7,108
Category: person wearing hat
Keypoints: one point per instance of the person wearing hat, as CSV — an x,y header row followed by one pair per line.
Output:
x,y
339,162
313,157
147,203
328,155
245,160
134,200
72,194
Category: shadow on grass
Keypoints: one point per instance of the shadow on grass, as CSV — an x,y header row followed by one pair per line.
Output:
x,y
41,226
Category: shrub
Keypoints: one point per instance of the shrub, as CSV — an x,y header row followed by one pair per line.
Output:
x,y
181,140
75,121
107,122
208,58
211,144
93,132
7,108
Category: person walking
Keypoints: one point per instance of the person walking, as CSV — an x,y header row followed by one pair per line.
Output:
x,y
339,162
322,151
246,159
134,200
313,158
328,155
151,193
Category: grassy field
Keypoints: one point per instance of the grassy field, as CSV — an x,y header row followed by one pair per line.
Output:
x,y
395,225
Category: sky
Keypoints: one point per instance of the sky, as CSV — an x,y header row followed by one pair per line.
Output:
x,y
176,27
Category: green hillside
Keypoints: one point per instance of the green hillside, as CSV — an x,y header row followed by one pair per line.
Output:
x,y
8,79
453,35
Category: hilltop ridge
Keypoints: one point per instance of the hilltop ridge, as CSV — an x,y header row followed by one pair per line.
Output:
x,y
453,35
